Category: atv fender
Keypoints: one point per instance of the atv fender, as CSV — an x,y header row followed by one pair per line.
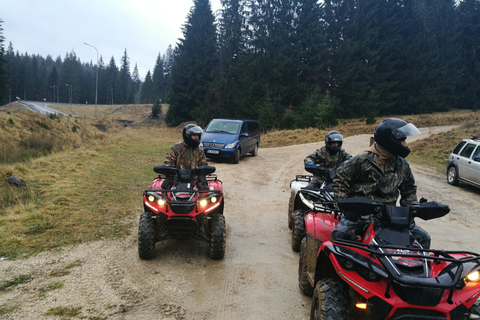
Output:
x,y
320,225
324,267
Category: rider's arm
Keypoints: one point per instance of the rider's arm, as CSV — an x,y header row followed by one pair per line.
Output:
x,y
171,157
345,178
408,189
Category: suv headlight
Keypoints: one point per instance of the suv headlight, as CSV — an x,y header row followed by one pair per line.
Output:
x,y
231,145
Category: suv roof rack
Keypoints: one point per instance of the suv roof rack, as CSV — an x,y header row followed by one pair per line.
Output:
x,y
475,138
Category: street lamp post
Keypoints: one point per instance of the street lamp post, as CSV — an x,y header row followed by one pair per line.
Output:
x,y
69,87
53,87
96,80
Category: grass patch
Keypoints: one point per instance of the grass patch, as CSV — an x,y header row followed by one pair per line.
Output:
x,y
68,312
15,282
54,286
5,310
66,270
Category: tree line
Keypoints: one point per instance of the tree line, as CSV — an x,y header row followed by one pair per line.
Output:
x,y
68,80
293,63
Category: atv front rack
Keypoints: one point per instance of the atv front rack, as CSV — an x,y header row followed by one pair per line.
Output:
x,y
451,275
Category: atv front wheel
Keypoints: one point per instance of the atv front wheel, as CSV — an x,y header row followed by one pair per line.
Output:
x,y
303,282
298,230
289,211
217,237
330,300
146,237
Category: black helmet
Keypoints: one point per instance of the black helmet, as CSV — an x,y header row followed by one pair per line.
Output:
x,y
391,132
333,136
187,135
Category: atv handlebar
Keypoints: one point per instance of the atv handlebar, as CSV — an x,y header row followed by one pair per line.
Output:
x,y
319,171
169,171
393,215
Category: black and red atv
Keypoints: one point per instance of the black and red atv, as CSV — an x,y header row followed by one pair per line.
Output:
x,y
183,211
313,205
303,196
387,274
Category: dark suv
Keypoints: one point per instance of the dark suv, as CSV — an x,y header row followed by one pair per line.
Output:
x,y
463,164
231,139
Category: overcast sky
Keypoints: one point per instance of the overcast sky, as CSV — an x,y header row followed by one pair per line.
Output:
x,y
144,28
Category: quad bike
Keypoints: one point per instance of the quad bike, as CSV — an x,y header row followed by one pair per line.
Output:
x,y
387,274
310,203
302,199
183,211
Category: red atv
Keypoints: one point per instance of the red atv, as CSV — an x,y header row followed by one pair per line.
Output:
x,y
183,211
309,201
388,275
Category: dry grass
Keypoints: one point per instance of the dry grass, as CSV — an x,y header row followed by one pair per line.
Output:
x,y
94,192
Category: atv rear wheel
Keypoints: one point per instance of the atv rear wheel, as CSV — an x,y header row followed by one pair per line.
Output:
x,y
303,282
217,237
298,230
330,300
146,237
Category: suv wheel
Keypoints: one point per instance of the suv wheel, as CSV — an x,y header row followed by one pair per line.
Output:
x,y
236,157
452,176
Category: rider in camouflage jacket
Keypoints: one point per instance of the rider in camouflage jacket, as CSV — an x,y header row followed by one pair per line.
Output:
x,y
362,176
187,154
329,157
382,174
183,156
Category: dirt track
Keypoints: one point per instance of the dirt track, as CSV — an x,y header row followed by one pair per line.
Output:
x,y
257,279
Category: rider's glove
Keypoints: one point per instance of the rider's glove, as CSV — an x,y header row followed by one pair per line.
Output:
x,y
167,183
202,183
309,163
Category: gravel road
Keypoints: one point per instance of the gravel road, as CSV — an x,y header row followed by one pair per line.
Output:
x,y
257,279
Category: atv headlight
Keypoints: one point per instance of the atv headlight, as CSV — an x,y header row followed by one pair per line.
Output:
x,y
473,276
213,199
203,202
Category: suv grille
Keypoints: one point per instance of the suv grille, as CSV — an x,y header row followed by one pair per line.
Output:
x,y
213,145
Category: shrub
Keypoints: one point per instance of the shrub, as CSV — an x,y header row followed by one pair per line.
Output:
x,y
74,129
10,120
42,124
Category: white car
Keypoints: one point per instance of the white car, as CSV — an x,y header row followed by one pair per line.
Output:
x,y
463,164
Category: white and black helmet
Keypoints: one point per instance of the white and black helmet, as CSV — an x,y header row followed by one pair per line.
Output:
x,y
333,136
188,130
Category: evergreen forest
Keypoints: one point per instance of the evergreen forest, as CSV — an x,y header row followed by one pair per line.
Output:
x,y
287,63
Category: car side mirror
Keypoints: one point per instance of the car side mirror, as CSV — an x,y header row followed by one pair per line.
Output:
x,y
245,134
476,159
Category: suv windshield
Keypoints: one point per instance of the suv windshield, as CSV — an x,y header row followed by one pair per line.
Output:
x,y
223,126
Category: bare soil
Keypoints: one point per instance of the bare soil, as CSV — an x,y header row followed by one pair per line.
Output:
x,y
257,279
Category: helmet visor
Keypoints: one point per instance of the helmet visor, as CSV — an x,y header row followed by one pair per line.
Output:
x,y
405,131
335,137
194,130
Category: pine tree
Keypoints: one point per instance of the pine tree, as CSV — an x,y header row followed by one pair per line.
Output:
x,y
158,79
3,71
468,28
125,80
194,62
146,92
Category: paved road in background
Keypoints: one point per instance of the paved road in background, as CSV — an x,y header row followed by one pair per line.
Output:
x,y
40,107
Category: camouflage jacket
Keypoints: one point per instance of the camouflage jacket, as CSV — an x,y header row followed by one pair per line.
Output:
x,y
327,160
182,156
361,177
